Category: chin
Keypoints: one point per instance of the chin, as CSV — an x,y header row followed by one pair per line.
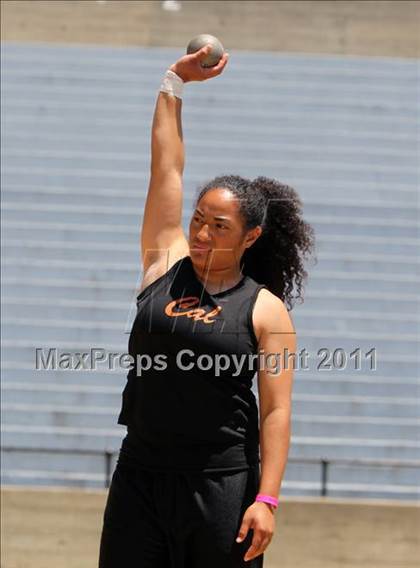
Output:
x,y
200,257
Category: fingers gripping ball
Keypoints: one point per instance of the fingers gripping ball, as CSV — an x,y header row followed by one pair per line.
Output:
x,y
216,53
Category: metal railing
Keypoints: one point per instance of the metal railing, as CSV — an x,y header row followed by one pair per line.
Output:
x,y
324,463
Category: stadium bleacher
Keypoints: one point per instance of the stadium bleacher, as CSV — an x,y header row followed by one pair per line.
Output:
x,y
75,162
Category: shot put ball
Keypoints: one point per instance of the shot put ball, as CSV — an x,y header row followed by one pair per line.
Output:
x,y
215,54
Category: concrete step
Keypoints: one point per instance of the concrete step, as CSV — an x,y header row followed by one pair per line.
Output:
x,y
302,425
335,139
55,250
330,448
71,395
361,428
56,462
290,85
323,224
78,310
83,479
83,290
133,180
104,440
389,364
352,481
126,238
319,74
21,174
356,385
325,85
363,472
89,470
363,301
377,137
352,321
71,271
360,118
67,310
105,375
101,375
125,201
66,416
129,274
91,252
121,319
25,352
365,406
261,154
110,397
303,138
233,105
312,340
109,440
335,281
94,332
299,472
321,342
93,292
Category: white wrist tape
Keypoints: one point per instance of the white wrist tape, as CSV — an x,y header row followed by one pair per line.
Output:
x,y
172,84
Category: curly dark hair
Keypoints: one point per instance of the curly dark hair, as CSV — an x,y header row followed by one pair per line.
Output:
x,y
276,258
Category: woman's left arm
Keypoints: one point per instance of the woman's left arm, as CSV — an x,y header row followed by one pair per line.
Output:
x,y
278,345
277,342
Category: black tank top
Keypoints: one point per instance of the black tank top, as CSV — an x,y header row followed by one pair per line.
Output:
x,y
188,403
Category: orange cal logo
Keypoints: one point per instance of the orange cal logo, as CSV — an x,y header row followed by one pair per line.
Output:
x,y
197,314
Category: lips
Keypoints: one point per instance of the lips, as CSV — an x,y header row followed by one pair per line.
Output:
x,y
196,246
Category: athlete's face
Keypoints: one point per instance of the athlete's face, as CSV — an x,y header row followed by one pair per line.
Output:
x,y
217,236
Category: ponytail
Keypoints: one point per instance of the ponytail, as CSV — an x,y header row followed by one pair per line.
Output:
x,y
276,258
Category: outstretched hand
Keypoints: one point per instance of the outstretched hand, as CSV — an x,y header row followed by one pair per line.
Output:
x,y
189,67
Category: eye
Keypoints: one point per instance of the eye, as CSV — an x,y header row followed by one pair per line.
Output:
x,y
221,226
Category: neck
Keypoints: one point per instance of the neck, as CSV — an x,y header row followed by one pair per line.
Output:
x,y
218,279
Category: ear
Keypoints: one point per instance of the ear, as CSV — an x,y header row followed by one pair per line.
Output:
x,y
252,236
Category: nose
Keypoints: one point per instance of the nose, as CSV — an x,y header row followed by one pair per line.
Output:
x,y
203,233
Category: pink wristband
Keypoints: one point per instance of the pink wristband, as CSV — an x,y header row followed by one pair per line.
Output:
x,y
267,499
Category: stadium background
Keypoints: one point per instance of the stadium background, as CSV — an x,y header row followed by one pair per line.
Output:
x,y
320,95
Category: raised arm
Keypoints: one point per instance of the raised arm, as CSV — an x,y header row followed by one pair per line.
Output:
x,y
163,241
162,220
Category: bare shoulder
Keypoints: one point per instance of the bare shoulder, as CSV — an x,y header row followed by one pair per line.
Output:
x,y
270,314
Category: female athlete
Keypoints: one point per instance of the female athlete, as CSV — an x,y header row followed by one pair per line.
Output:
x,y
199,472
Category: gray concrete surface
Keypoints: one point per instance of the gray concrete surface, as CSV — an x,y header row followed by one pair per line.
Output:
x,y
61,529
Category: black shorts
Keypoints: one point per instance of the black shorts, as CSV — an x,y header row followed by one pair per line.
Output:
x,y
177,520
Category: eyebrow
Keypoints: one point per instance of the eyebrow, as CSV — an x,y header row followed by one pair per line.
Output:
x,y
218,217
